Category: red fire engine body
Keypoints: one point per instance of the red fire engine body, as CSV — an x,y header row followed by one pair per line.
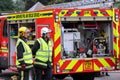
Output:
x,y
86,41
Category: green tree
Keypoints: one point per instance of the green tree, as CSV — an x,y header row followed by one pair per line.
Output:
x,y
56,1
19,5
29,3
6,5
117,4
45,2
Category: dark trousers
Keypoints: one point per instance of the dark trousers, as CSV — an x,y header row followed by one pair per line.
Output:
x,y
26,74
47,73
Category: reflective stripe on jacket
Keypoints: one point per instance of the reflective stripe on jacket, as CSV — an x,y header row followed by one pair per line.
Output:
x,y
27,55
44,54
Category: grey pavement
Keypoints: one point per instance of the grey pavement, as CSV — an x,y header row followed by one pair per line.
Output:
x,y
114,75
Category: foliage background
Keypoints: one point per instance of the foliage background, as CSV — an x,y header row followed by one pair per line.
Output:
x,y
23,5
6,5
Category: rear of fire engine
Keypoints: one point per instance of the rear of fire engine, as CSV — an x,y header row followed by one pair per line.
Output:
x,y
86,41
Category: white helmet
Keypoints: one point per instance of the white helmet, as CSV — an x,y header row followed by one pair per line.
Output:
x,y
45,30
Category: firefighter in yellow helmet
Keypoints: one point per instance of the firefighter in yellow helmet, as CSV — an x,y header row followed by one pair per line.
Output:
x,y
42,50
24,61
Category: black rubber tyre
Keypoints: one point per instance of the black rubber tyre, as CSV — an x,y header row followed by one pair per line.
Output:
x,y
83,76
61,77
0,71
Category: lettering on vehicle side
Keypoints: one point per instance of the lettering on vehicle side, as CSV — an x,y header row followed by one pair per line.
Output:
x,y
31,15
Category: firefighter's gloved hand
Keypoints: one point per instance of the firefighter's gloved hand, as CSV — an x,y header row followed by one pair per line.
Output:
x,y
23,66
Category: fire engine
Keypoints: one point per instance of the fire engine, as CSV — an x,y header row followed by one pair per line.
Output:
x,y
86,41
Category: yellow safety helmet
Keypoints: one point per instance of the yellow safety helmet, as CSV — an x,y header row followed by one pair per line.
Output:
x,y
22,30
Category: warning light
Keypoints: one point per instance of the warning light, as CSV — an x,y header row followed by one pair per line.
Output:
x,y
95,12
78,12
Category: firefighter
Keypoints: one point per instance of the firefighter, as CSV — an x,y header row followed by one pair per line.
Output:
x,y
24,59
42,51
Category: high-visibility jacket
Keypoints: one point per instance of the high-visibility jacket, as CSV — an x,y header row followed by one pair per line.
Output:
x,y
27,55
44,53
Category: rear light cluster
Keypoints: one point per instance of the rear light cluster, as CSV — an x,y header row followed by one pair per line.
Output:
x,y
118,64
58,68
56,17
116,15
107,68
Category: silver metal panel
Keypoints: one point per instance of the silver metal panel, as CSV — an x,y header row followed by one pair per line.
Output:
x,y
22,21
85,18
